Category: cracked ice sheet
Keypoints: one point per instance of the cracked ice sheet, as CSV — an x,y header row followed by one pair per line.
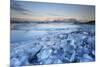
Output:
x,y
30,47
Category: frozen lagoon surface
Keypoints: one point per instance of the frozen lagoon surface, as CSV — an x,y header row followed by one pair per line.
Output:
x,y
51,43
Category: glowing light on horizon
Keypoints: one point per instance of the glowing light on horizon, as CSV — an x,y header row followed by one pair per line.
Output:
x,y
49,11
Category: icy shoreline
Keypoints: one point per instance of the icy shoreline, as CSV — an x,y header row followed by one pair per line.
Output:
x,y
53,47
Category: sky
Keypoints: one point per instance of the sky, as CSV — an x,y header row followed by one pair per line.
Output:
x,y
40,11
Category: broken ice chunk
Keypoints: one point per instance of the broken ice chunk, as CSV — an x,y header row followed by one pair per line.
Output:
x,y
86,58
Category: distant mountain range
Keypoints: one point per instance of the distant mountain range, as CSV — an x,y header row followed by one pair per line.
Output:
x,y
88,22
91,22
73,21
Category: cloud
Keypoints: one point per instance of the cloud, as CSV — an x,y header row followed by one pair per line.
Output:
x,y
15,5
